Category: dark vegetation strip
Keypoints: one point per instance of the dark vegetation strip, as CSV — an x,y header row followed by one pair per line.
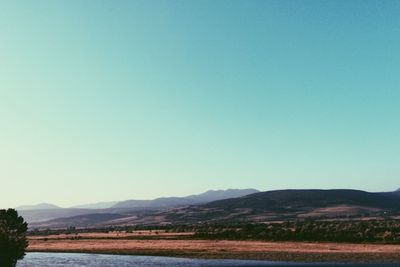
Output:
x,y
371,231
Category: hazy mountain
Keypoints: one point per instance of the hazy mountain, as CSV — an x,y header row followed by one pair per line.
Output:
x,y
99,205
164,202
35,216
49,214
92,219
40,206
84,220
169,202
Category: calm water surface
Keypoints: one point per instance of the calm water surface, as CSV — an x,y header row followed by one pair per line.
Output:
x,y
92,260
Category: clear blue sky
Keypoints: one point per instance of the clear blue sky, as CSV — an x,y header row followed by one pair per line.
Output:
x,y
111,100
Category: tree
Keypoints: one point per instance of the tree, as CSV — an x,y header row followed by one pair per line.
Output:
x,y
13,241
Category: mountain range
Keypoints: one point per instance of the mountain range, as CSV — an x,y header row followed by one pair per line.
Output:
x,y
266,206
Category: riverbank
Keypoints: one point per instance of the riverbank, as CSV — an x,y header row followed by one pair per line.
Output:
x,y
179,245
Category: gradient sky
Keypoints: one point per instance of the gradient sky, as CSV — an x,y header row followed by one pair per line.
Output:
x,y
112,100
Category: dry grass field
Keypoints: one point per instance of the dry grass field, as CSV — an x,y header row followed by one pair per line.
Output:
x,y
181,245
161,234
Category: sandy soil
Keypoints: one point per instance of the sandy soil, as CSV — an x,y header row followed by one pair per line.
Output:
x,y
287,251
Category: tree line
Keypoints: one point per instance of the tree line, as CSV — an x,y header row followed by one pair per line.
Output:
x,y
371,231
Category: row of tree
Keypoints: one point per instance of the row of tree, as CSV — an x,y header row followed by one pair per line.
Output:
x,y
372,231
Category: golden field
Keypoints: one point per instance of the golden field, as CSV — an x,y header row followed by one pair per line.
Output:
x,y
182,245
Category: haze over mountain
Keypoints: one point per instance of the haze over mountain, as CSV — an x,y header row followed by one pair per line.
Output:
x,y
41,206
49,214
212,195
99,205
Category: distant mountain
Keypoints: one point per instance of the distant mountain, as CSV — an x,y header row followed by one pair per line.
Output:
x,y
169,202
40,206
100,205
164,202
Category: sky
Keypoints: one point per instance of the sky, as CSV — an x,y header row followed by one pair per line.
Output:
x,y
114,100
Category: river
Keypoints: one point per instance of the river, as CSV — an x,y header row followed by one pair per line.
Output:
x,y
96,260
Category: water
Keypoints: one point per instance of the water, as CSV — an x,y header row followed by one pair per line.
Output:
x,y
95,260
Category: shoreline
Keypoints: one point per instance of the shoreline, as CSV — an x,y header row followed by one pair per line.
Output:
x,y
227,249
273,257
